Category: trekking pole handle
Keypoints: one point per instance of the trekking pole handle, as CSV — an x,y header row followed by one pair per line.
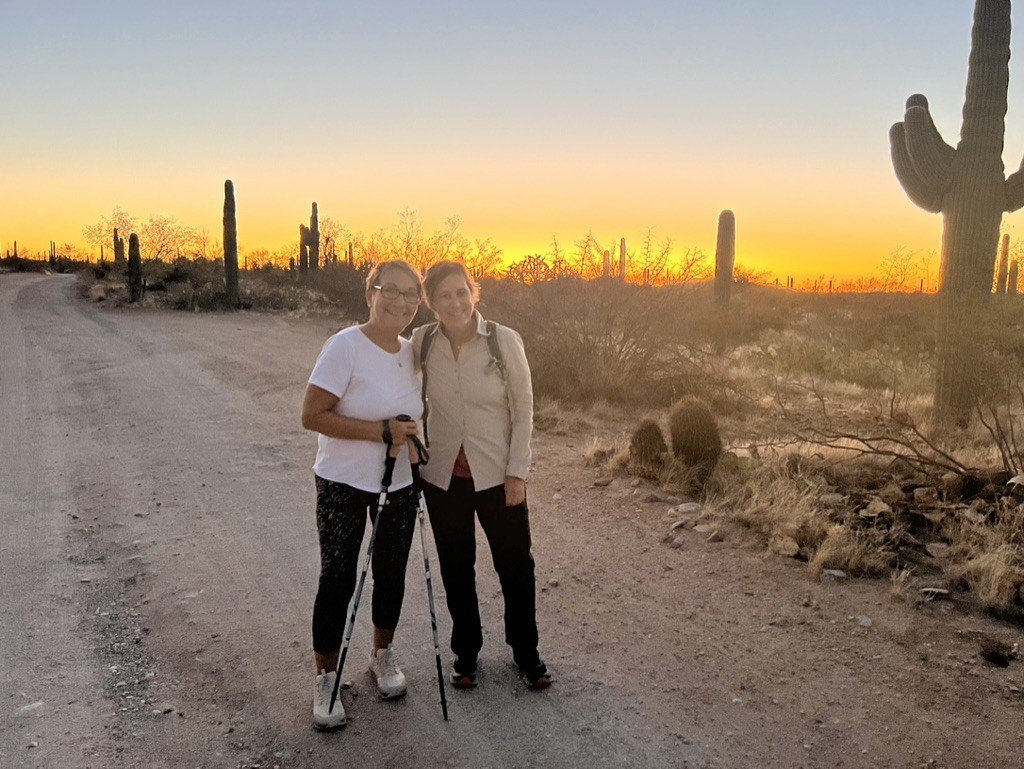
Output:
x,y
421,451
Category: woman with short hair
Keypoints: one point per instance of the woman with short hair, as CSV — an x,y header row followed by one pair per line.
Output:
x,y
479,419
363,378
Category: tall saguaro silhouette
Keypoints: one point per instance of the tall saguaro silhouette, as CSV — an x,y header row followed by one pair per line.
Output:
x,y
968,187
230,245
725,257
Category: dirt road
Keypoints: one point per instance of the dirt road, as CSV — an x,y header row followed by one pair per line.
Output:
x,y
158,556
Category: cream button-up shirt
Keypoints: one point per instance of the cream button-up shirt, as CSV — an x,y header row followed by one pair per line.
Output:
x,y
470,406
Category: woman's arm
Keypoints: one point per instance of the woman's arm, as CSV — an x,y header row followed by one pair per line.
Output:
x,y
318,415
520,396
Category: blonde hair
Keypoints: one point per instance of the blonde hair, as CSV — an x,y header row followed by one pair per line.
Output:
x,y
438,272
393,264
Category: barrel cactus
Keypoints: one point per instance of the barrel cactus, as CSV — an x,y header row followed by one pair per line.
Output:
x,y
695,438
647,448
968,187
134,269
725,257
230,245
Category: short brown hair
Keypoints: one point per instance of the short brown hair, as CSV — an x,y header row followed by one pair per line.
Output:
x,y
393,264
438,272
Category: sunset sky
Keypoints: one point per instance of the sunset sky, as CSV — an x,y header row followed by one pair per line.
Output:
x,y
526,120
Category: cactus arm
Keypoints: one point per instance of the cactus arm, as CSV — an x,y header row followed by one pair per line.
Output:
x,y
1015,189
927,197
932,158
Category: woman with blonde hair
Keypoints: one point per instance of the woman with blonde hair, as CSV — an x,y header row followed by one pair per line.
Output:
x,y
363,378
479,419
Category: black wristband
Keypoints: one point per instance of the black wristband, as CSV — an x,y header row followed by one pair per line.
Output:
x,y
386,434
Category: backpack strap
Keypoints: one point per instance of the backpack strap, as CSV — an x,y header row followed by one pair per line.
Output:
x,y
495,350
428,339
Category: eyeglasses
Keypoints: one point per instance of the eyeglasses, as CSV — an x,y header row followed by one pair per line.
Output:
x,y
391,294
460,295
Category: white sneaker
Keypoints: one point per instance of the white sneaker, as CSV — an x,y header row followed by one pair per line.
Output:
x,y
390,678
323,716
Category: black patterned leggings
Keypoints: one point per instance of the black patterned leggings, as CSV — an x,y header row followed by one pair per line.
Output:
x,y
340,520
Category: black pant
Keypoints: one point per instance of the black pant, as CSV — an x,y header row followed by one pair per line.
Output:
x,y
340,521
508,534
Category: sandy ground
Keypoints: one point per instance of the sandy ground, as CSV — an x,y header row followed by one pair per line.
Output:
x,y
158,556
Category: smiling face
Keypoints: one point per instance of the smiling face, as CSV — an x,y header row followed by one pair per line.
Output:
x,y
452,302
393,314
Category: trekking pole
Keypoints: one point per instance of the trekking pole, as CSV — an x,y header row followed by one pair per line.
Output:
x,y
417,485
389,468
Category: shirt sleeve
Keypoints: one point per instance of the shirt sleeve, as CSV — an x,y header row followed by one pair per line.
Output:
x,y
333,369
520,397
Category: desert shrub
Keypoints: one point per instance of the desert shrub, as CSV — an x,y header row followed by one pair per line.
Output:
x,y
21,264
591,340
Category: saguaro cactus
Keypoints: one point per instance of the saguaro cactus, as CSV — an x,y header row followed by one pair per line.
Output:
x,y
118,248
968,187
313,240
1004,263
725,257
607,263
351,255
303,248
1011,282
622,259
230,246
134,269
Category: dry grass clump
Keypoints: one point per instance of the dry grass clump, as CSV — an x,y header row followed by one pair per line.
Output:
x,y
989,556
855,552
768,499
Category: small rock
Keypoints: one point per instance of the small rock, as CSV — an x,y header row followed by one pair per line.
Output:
x,y
27,710
33,744
680,524
655,498
891,494
557,497
783,545
832,499
864,621
832,575
689,508
602,482
937,549
553,582
875,508
926,495
635,482
715,536
676,543
702,528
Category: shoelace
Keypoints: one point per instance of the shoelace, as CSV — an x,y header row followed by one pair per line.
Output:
x,y
389,662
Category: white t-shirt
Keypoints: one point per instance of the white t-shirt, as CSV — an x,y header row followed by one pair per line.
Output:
x,y
371,384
